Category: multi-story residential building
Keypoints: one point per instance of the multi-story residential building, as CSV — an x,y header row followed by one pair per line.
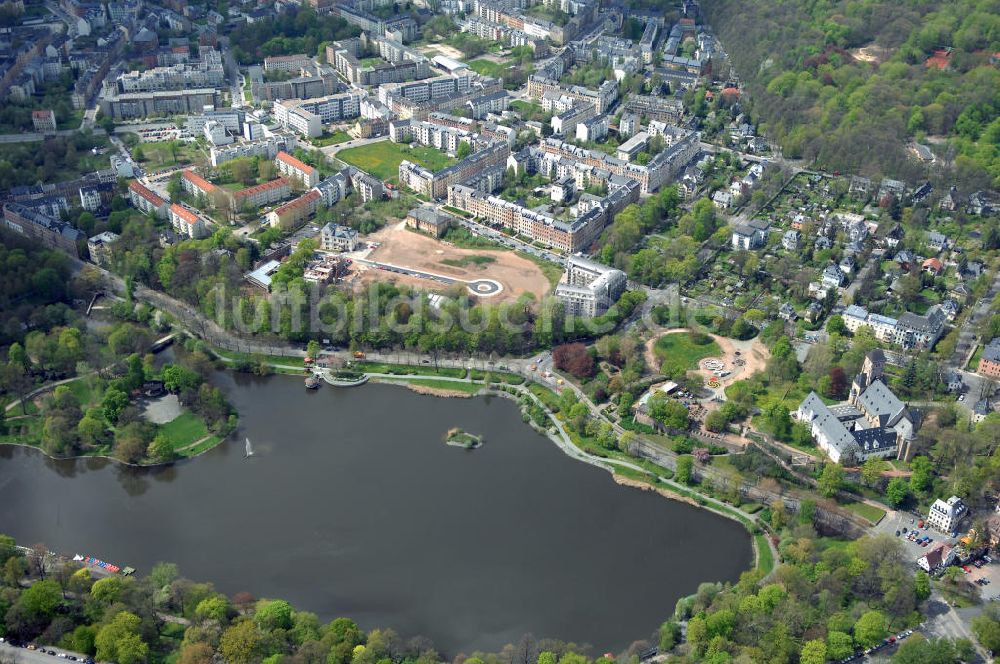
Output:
x,y
44,229
314,81
293,168
602,98
370,187
569,236
99,247
989,361
44,121
296,212
90,198
665,109
146,200
187,222
427,219
661,169
751,235
307,116
435,185
267,147
262,194
126,106
287,63
593,129
428,89
944,516
334,237
333,189
920,332
208,72
196,185
909,330
493,102
590,288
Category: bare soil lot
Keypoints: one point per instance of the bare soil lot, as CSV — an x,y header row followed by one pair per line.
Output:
x,y
405,248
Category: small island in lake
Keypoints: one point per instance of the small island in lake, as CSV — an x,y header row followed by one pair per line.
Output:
x,y
457,437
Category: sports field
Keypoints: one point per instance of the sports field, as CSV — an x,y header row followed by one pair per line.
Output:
x,y
382,159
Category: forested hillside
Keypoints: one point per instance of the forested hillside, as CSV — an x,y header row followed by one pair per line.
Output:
x,y
849,83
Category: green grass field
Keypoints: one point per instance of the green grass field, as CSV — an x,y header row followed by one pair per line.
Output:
x,y
765,559
158,155
408,370
184,430
468,388
335,138
382,159
681,350
487,67
867,511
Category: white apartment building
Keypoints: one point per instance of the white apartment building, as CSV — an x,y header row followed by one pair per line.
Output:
x,y
590,288
945,516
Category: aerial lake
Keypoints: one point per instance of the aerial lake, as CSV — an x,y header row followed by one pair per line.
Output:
x,y
353,505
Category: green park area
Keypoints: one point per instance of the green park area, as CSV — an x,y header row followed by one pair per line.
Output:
x,y
488,67
683,350
187,435
382,159
155,156
334,138
52,160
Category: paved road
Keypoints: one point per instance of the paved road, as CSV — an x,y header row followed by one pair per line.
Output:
x,y
32,137
25,656
332,150
482,230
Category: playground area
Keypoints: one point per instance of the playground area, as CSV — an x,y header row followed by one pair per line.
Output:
x,y
721,361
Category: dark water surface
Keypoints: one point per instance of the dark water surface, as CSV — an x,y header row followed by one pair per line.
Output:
x,y
353,506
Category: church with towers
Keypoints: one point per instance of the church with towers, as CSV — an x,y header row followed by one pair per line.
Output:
x,y
873,422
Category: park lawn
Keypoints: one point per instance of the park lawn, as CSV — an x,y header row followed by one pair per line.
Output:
x,y
335,138
22,158
382,159
870,512
271,359
487,67
184,429
408,369
680,349
201,447
437,384
545,395
23,431
157,155
85,392
765,559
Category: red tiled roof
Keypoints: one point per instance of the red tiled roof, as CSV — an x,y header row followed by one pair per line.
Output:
x,y
295,163
940,60
249,191
149,195
184,214
304,199
41,114
934,264
198,181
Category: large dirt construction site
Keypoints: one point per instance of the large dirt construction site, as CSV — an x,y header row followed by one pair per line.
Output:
x,y
405,248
